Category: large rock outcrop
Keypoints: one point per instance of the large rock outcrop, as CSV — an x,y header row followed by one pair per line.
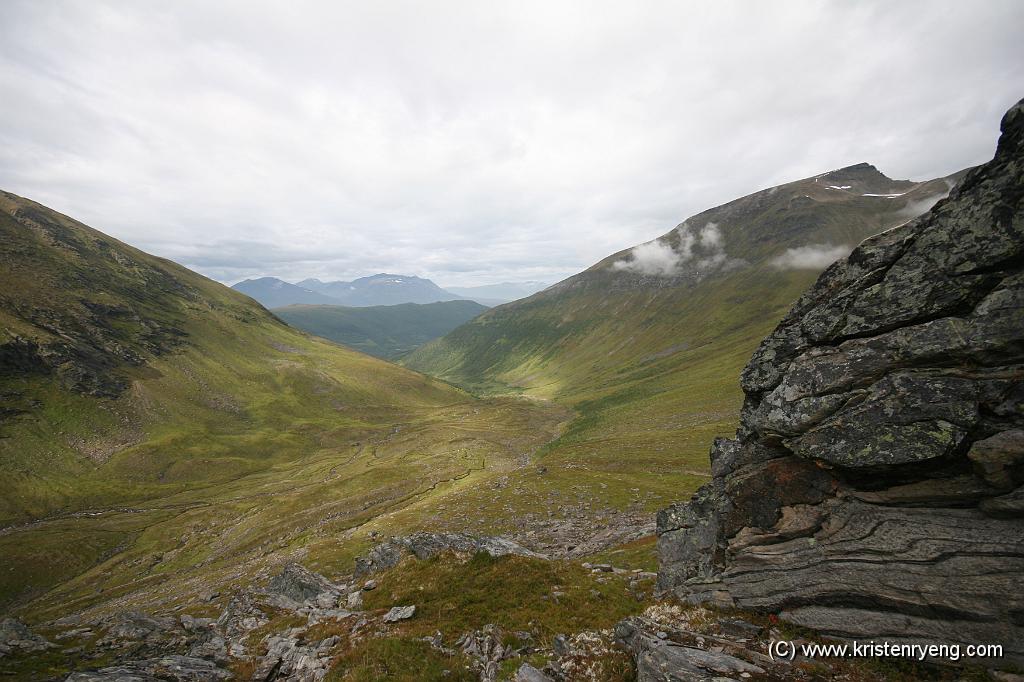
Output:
x,y
874,486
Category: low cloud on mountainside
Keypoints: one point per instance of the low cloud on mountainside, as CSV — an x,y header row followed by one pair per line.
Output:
x,y
922,206
811,257
659,258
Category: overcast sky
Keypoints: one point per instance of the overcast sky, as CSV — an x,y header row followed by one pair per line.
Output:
x,y
473,142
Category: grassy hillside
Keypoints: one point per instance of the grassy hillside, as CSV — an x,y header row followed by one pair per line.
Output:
x,y
162,433
647,345
386,331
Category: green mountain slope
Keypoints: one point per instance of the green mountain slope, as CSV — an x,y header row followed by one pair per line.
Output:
x,y
646,344
386,331
161,432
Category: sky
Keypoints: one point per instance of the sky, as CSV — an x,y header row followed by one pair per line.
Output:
x,y
474,142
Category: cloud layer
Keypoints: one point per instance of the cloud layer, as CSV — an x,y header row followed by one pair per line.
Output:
x,y
473,142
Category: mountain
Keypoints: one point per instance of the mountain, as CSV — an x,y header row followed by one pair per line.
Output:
x,y
164,436
274,293
495,294
875,487
387,331
382,289
645,344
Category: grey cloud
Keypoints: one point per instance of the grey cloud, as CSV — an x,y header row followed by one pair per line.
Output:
x,y
473,142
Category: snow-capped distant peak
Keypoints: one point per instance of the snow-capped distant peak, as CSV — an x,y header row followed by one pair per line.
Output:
x,y
840,186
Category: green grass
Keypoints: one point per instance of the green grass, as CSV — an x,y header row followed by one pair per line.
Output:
x,y
516,594
641,554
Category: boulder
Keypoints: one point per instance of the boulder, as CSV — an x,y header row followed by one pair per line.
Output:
x,y
300,584
874,487
398,613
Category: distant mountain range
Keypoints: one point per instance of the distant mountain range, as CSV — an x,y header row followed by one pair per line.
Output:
x,y
377,290
276,293
385,331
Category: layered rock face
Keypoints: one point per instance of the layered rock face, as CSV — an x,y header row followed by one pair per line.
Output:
x,y
874,489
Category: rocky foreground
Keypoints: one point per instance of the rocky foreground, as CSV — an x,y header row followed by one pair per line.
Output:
x,y
297,624
874,489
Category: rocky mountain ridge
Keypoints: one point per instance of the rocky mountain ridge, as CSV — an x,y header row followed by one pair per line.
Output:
x,y
874,485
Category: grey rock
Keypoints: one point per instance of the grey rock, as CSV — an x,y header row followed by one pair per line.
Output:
x,y
320,615
485,649
327,600
300,584
289,657
15,636
560,645
241,616
958,491
169,668
875,483
527,673
1009,505
425,545
398,613
999,459
355,601
662,660
145,637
